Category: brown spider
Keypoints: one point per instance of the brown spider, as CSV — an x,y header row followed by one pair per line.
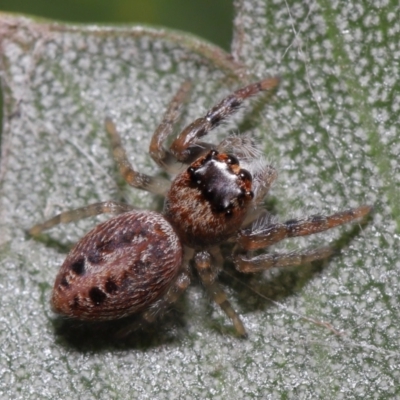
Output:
x,y
138,262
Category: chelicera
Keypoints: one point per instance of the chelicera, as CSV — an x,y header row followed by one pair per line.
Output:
x,y
139,262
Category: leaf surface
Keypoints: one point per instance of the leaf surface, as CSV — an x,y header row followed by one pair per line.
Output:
x,y
320,331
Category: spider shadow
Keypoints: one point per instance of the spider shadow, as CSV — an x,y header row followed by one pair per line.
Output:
x,y
48,241
126,333
258,292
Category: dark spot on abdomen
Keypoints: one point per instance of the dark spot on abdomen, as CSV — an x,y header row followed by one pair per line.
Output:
x,y
64,282
111,286
97,295
94,257
75,304
78,266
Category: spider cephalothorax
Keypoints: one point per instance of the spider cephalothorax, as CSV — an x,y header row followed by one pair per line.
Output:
x,y
208,202
139,261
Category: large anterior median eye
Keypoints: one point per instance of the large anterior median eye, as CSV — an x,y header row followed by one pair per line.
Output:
x,y
232,160
245,175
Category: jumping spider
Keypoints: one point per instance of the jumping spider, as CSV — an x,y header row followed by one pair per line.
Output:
x,y
138,262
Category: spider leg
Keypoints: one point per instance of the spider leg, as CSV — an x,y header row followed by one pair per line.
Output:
x,y
174,292
246,264
136,179
253,239
160,155
262,182
81,213
264,236
263,178
183,146
208,278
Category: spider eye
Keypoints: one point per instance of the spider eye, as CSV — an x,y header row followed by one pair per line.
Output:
x,y
210,155
191,171
247,193
245,175
232,160
228,212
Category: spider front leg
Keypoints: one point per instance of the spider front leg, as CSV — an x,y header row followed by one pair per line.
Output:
x,y
269,234
208,277
264,236
262,182
159,154
136,179
183,146
66,217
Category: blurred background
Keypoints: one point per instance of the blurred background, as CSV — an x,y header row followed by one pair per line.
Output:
x,y
209,19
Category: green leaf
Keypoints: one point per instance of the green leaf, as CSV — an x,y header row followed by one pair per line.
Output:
x,y
331,131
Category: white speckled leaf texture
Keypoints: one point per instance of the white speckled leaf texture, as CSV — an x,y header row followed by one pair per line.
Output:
x,y
325,331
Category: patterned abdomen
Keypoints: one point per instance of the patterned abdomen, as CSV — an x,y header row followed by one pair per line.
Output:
x,y
119,268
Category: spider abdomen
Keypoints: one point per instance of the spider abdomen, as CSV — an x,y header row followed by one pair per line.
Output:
x,y
119,268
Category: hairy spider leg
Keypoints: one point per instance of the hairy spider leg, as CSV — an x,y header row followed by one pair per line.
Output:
x,y
262,237
262,182
91,210
158,152
173,294
149,316
247,265
133,178
180,148
155,185
208,276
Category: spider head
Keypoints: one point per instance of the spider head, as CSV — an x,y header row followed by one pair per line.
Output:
x,y
208,202
221,181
